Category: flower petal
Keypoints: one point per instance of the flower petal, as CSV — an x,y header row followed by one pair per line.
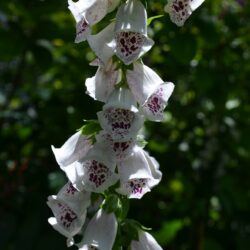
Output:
x,y
154,168
97,176
117,150
180,10
72,150
82,30
135,175
100,232
103,83
86,14
98,170
96,12
74,173
99,43
121,124
194,4
66,221
120,117
131,16
156,103
142,82
112,4
122,98
146,241
74,10
77,200
92,10
131,40
129,45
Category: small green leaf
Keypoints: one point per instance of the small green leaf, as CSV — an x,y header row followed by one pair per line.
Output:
x,y
92,127
124,208
150,19
112,204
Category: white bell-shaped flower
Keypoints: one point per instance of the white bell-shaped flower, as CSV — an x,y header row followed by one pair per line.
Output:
x,y
146,242
67,221
138,174
99,43
151,92
100,233
153,108
75,148
103,83
77,200
142,81
116,149
120,117
89,12
97,172
69,208
74,173
131,40
180,10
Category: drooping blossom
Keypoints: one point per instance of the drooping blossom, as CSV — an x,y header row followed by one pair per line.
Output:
x,y
69,208
131,39
69,155
103,83
77,200
151,92
146,242
180,10
120,117
99,43
75,148
117,150
138,174
96,171
89,12
100,232
153,108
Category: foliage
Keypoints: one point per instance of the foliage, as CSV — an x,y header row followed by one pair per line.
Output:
x,y
203,146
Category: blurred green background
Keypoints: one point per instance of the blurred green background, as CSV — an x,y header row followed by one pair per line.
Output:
x,y
203,145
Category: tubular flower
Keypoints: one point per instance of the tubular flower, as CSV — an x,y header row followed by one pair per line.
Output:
x,y
115,149
99,43
69,155
100,232
120,118
88,13
180,10
103,83
146,242
149,90
75,148
69,208
156,103
131,40
138,174
78,200
97,171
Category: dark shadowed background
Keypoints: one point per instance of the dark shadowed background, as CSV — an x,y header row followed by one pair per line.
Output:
x,y
203,145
